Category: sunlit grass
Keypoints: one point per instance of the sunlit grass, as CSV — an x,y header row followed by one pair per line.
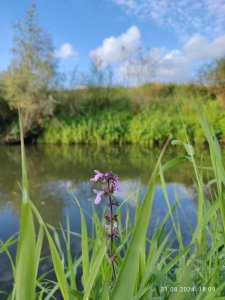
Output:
x,y
148,126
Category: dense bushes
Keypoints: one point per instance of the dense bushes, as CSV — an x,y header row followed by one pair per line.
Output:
x,y
145,115
102,128
71,103
147,127
7,116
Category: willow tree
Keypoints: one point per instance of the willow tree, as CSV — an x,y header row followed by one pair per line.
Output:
x,y
31,73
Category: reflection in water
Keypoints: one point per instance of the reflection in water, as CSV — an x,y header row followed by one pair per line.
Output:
x,y
56,172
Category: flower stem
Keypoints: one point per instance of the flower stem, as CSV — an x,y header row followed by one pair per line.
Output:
x,y
111,241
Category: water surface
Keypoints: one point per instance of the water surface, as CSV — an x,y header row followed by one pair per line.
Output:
x,y
58,172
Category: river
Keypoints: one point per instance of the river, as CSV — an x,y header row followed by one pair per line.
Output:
x,y
56,173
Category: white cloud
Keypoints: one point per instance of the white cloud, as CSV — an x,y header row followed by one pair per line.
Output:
x,y
185,16
116,49
178,64
134,65
65,50
126,55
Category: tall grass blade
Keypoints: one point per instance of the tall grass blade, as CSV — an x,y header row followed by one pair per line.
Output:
x,y
25,275
129,270
84,246
216,159
94,269
56,259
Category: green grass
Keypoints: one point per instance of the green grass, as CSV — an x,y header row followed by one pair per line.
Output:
x,y
162,272
149,126
144,115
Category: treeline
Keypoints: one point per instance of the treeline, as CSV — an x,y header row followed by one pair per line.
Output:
x,y
146,115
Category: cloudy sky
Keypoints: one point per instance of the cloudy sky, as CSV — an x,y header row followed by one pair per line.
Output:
x,y
179,35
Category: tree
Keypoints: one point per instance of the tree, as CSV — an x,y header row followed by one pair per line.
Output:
x,y
139,68
6,115
32,72
97,84
212,75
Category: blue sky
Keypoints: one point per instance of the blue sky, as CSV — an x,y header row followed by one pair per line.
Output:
x,y
178,35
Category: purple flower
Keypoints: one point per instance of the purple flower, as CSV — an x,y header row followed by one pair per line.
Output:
x,y
115,231
110,176
115,227
109,184
99,194
97,176
117,184
109,180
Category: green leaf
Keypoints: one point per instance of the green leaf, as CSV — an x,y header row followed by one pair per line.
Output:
x,y
94,269
58,267
189,148
57,262
77,294
84,246
174,162
129,270
26,264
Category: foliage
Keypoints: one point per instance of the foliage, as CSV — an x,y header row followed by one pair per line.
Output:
x,y
6,114
80,101
148,125
213,76
31,72
102,128
145,115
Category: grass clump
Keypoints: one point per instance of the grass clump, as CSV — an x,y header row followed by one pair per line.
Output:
x,y
148,121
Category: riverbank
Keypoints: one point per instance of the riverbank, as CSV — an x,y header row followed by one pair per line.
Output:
x,y
145,115
149,127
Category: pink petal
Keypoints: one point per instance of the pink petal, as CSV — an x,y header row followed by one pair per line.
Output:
x,y
97,199
94,179
98,196
97,176
115,226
